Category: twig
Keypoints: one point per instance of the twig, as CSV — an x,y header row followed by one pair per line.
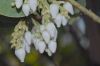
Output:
x,y
85,11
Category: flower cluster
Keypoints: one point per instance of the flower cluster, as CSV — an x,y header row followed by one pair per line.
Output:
x,y
28,6
43,36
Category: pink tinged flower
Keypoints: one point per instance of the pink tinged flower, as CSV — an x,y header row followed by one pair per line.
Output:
x,y
64,20
52,30
54,9
46,36
33,5
69,8
41,46
20,53
28,37
18,3
58,20
52,46
26,9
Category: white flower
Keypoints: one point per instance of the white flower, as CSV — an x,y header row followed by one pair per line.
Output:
x,y
20,53
26,9
64,20
26,46
41,46
54,9
52,46
52,30
46,36
58,20
28,37
48,52
35,42
18,3
81,25
33,5
69,7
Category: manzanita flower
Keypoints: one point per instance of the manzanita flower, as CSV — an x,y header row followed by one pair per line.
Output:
x,y
52,30
52,46
26,46
64,20
28,37
41,46
54,9
58,20
26,9
46,36
20,53
68,6
48,52
18,3
33,5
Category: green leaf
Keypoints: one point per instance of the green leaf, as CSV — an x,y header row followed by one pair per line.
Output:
x,y
7,10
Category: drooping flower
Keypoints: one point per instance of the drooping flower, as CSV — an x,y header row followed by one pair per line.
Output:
x,y
46,36
52,30
64,20
26,9
52,46
33,5
68,6
41,46
28,37
54,9
58,20
20,53
26,46
18,3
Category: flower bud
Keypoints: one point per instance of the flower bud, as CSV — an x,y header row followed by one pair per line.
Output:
x,y
69,8
26,9
54,9
18,3
20,53
52,46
